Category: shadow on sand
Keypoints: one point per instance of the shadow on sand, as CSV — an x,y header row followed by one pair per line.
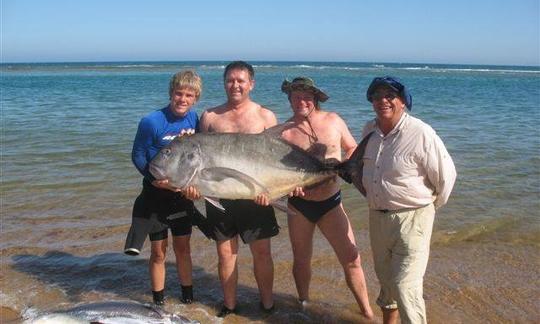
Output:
x,y
127,278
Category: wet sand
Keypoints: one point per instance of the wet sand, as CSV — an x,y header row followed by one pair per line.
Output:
x,y
466,282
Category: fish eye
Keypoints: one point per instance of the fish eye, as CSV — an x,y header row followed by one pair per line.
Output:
x,y
167,151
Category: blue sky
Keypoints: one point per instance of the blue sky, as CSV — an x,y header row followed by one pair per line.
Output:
x,y
412,31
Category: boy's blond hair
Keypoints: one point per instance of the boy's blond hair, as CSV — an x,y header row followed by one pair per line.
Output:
x,y
187,78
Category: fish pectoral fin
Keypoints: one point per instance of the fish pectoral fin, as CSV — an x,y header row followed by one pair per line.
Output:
x,y
220,173
215,203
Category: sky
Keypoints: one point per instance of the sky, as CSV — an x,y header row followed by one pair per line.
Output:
x,y
490,32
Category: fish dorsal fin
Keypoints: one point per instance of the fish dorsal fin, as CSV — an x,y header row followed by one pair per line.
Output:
x,y
275,131
221,173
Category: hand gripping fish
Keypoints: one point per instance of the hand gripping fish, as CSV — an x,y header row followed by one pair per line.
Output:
x,y
239,166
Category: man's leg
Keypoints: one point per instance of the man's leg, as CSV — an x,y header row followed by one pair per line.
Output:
x,y
263,269
390,316
381,235
158,251
409,263
182,251
228,272
301,236
336,228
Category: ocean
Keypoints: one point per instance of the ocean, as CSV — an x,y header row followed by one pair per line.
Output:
x,y
68,185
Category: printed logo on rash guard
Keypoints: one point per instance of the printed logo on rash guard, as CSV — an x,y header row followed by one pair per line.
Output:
x,y
185,130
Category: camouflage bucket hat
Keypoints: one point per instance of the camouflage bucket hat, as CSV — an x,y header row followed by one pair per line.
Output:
x,y
303,84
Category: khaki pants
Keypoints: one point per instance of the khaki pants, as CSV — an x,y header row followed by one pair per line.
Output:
x,y
400,244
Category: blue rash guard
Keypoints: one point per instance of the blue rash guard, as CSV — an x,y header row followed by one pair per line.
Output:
x,y
155,131
155,209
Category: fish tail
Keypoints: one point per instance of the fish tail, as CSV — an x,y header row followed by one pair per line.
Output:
x,y
351,170
346,170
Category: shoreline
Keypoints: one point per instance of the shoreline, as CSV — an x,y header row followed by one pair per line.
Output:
x,y
464,282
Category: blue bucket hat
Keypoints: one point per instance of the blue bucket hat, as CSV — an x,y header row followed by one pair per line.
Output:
x,y
393,83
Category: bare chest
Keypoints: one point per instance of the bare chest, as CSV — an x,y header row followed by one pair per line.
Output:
x,y
237,124
320,142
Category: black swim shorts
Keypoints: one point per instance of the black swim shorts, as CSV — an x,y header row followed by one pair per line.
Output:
x,y
154,212
244,217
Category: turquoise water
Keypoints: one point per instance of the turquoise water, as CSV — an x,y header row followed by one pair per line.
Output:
x,y
67,130
68,184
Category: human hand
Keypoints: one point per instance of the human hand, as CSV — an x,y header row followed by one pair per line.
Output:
x,y
297,192
164,184
191,193
262,200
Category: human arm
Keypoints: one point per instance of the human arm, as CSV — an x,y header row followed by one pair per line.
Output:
x,y
269,118
440,170
142,152
204,122
348,143
141,146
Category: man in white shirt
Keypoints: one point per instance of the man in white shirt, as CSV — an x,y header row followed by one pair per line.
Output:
x,y
407,174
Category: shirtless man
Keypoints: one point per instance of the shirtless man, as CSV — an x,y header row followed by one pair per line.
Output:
x,y
324,135
241,217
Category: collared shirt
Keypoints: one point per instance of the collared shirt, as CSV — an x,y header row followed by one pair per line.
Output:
x,y
408,168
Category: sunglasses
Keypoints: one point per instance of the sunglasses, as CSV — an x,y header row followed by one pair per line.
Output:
x,y
388,95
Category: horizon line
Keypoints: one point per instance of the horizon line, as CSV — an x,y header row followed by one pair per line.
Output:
x,y
249,61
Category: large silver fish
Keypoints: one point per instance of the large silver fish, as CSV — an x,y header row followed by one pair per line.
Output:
x,y
238,166
111,312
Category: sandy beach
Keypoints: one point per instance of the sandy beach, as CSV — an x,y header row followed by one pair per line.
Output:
x,y
466,282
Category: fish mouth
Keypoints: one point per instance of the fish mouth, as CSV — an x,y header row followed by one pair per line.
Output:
x,y
156,172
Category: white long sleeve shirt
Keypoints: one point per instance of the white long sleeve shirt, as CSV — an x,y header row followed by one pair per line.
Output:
x,y
408,168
